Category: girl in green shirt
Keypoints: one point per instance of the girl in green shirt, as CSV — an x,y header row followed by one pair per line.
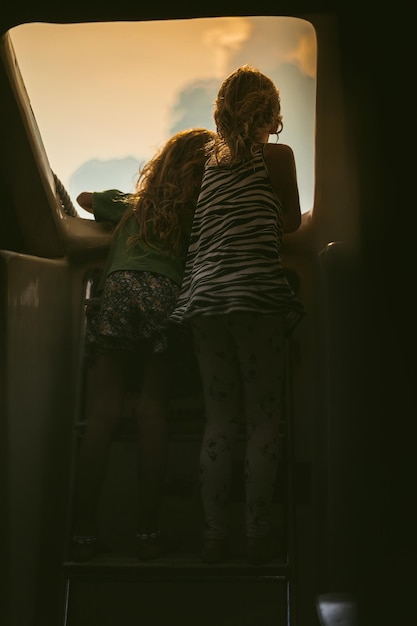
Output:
x,y
138,292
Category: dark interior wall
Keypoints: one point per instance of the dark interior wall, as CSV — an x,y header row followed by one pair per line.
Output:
x,y
379,477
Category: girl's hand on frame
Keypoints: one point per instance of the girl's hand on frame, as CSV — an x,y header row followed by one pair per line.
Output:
x,y
85,200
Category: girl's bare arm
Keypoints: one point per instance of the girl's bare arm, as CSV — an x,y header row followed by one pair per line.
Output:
x,y
280,162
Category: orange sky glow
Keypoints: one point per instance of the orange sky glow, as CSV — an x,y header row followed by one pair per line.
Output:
x,y
109,90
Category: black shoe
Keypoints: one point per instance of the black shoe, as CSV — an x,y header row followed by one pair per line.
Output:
x,y
85,547
261,550
214,550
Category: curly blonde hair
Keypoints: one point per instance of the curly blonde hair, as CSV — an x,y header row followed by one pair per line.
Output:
x,y
167,189
247,103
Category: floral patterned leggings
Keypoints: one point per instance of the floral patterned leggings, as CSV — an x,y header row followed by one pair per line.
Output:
x,y
241,360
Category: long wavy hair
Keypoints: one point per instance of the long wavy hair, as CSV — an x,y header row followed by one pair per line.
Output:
x,y
167,189
247,103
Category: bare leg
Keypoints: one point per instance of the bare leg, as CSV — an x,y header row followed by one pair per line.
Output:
x,y
152,424
104,414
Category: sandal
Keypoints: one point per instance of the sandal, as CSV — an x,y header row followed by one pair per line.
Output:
x,y
86,547
152,545
83,547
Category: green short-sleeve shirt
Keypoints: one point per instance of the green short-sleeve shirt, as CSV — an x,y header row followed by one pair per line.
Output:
x,y
109,206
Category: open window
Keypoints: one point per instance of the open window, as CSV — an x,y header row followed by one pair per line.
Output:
x,y
106,96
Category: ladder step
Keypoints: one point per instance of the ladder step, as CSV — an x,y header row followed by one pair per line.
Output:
x,y
184,600
173,567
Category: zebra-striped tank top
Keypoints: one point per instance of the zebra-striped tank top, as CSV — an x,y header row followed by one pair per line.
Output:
x,y
233,262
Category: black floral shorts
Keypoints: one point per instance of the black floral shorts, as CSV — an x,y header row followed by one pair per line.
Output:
x,y
134,307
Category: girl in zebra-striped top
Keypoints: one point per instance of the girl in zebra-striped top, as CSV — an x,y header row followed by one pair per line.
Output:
x,y
240,305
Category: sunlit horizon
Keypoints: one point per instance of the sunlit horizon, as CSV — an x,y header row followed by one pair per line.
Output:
x,y
113,93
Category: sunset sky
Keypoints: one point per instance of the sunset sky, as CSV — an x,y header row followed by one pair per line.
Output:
x,y
109,91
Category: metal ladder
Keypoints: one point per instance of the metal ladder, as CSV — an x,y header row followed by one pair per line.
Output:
x,y
118,588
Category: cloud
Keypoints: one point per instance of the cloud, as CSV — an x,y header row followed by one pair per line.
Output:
x,y
287,40
194,106
100,174
226,38
304,55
